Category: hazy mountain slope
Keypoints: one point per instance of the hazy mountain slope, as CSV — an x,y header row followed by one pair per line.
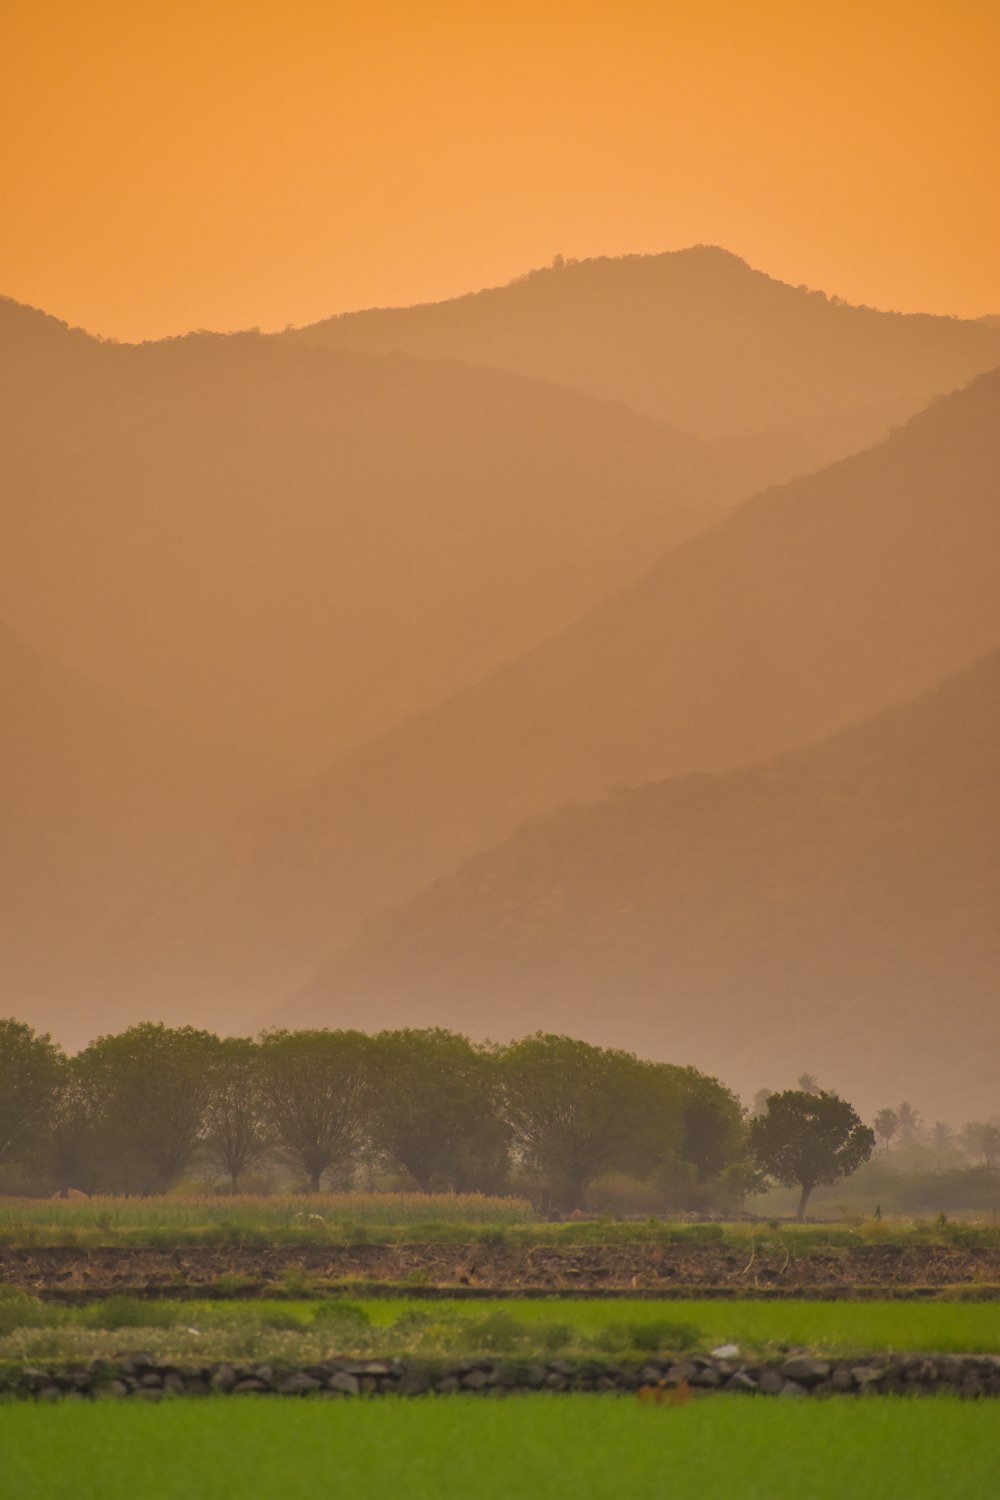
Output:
x,y
301,546
102,806
780,377
834,909
813,606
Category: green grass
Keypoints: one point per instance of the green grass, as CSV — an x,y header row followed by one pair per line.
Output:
x,y
578,1447
297,1332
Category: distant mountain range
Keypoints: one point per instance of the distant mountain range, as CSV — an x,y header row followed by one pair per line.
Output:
x,y
299,547
833,907
781,379
291,632
814,605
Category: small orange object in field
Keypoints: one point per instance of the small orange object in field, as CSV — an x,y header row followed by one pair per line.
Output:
x,y
664,1395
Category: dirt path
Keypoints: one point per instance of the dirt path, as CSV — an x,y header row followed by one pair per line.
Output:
x,y
663,1270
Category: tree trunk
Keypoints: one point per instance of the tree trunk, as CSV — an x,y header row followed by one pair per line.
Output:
x,y
314,1178
234,1183
807,1188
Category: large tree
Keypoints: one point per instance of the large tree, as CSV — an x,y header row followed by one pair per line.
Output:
x,y
574,1110
146,1093
435,1109
315,1090
809,1140
32,1069
236,1128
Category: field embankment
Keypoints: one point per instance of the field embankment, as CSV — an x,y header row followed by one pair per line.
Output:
x,y
729,1268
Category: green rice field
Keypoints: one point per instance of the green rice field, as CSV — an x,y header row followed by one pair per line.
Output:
x,y
578,1447
305,1330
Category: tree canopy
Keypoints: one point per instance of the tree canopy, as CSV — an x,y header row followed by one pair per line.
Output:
x,y
809,1140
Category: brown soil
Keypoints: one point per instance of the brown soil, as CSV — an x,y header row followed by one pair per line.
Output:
x,y
662,1270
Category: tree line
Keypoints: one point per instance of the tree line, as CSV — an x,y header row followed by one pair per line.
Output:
x,y
138,1111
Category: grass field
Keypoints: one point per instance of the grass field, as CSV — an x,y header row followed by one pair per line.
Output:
x,y
346,1218
578,1447
298,1332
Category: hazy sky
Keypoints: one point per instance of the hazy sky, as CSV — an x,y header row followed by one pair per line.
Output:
x,y
170,164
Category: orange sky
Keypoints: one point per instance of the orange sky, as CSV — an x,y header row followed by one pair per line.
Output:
x,y
170,164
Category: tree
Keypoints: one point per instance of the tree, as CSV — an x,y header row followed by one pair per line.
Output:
x,y
982,1138
573,1110
909,1123
886,1125
808,1083
315,1090
759,1105
236,1129
435,1110
712,1123
942,1136
809,1140
32,1069
146,1092
742,1180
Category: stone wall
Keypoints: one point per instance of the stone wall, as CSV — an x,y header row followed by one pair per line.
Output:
x,y
138,1377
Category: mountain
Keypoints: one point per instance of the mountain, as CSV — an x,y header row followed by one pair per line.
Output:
x,y
814,605
833,909
103,806
297,547
781,379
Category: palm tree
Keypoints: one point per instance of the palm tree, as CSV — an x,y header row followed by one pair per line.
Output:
x,y
808,1083
909,1123
886,1125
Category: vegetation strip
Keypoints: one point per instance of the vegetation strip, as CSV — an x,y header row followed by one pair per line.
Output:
x,y
655,1379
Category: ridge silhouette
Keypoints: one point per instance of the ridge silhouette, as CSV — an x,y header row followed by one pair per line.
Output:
x,y
779,379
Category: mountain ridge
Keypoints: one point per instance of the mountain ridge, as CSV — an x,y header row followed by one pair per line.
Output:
x,y
781,378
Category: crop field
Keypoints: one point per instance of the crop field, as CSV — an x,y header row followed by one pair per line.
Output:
x,y
278,1219
590,1448
303,1331
343,1218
